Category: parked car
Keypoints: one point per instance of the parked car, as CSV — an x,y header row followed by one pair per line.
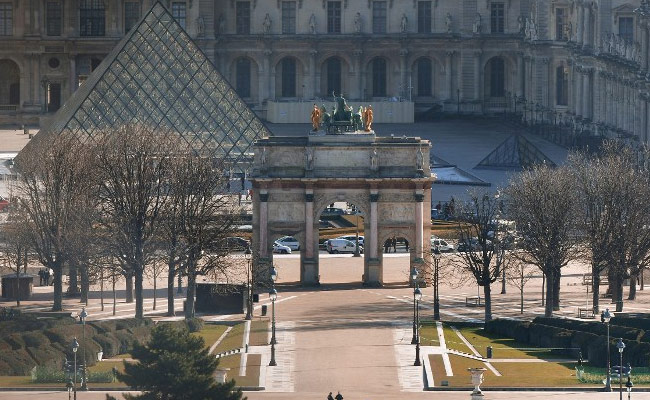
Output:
x,y
333,211
290,242
281,249
442,245
352,238
336,246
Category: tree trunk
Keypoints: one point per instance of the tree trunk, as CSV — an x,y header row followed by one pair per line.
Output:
x,y
503,281
189,300
488,302
521,297
170,292
17,285
155,278
129,288
139,301
619,294
641,279
550,286
73,283
632,294
58,286
85,284
595,290
556,290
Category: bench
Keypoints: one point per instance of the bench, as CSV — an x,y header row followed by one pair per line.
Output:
x,y
474,301
585,313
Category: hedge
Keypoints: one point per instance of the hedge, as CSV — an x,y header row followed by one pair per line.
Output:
x,y
593,327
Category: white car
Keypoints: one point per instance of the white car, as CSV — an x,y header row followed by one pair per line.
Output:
x,y
441,244
336,246
278,248
352,238
290,242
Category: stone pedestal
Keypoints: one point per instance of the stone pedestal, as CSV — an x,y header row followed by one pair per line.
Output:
x,y
221,375
309,273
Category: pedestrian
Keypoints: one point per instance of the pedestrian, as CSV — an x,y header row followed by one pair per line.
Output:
x,y
249,194
338,396
406,243
40,277
46,277
394,245
329,396
386,245
438,207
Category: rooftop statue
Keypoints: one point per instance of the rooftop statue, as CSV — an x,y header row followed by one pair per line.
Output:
x,y
342,118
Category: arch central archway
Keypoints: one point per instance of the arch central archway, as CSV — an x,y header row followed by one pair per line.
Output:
x,y
295,179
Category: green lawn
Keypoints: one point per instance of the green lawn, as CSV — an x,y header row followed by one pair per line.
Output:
x,y
252,376
503,347
259,335
211,333
233,339
429,337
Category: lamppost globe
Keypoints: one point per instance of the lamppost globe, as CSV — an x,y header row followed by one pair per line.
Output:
x,y
605,316
418,294
83,315
620,345
274,274
414,273
273,294
75,345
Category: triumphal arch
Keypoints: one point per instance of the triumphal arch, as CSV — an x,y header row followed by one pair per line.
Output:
x,y
387,177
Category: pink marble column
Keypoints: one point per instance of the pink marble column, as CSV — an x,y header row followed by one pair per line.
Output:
x,y
264,221
309,223
419,223
374,196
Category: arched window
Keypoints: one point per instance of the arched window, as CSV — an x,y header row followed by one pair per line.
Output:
x,y
9,83
92,18
424,71
333,66
379,77
288,77
497,77
243,77
562,86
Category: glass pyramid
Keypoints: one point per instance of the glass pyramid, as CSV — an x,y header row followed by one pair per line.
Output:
x,y
516,152
156,75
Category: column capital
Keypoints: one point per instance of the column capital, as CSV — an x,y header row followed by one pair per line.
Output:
x,y
309,197
264,197
419,197
374,197
403,52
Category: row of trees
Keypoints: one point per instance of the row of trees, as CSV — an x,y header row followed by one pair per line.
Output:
x,y
123,200
591,208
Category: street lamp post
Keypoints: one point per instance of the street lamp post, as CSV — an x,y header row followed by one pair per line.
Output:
x,y
620,346
414,278
417,294
82,316
75,347
436,276
273,295
180,279
249,290
605,316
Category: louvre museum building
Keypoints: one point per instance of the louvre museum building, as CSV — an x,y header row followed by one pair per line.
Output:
x,y
577,63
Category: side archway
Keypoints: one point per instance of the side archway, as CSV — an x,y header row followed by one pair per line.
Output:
x,y
9,83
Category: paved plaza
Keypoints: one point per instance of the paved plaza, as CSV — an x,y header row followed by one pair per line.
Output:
x,y
342,336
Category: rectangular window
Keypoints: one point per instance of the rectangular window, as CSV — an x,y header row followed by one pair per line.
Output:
x,y
53,17
6,19
497,17
178,12
131,15
333,17
379,17
243,20
288,17
424,17
560,24
562,86
92,18
626,28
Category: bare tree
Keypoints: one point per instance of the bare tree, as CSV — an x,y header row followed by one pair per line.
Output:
x,y
518,274
542,203
14,244
55,172
134,165
479,233
206,215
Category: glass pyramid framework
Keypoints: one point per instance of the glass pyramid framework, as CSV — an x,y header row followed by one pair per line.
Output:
x,y
516,152
156,75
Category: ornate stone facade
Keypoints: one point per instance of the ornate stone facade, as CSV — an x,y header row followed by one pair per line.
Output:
x,y
583,63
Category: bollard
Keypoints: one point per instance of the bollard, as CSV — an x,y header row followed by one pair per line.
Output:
x,y
489,352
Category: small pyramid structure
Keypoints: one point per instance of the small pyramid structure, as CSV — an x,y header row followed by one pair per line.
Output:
x,y
156,75
516,152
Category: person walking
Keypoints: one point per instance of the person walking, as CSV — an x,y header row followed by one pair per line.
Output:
x,y
406,243
329,396
394,245
40,277
338,396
